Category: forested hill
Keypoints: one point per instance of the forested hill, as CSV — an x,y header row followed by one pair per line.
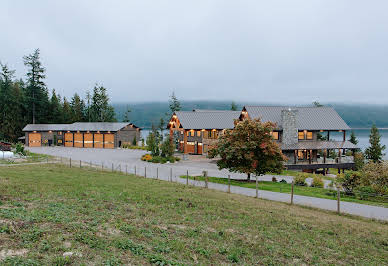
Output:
x,y
144,114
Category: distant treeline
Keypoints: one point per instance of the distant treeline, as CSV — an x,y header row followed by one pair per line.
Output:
x,y
29,101
146,114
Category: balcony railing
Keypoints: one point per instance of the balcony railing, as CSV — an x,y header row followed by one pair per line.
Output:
x,y
343,159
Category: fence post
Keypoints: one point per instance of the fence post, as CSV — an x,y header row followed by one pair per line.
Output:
x,y
135,169
187,177
145,171
228,183
80,162
170,174
112,167
102,166
157,172
338,199
257,188
292,192
206,181
70,162
126,169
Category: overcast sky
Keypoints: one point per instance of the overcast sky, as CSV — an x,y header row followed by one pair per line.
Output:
x,y
263,51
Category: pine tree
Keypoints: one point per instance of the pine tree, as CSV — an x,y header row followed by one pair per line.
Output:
x,y
375,151
126,114
101,110
36,91
174,103
55,109
77,108
233,106
66,112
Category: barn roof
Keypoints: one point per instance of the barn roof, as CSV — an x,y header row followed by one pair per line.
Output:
x,y
79,126
207,119
308,118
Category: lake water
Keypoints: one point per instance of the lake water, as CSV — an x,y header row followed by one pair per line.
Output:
x,y
361,134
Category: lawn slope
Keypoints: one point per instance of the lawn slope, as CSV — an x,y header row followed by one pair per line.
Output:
x,y
112,219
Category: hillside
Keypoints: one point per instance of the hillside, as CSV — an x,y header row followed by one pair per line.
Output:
x,y
104,218
144,114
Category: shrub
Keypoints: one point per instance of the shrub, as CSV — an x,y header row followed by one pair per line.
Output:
x,y
20,148
375,175
300,180
177,159
283,181
146,157
167,148
171,159
349,181
317,182
359,161
134,141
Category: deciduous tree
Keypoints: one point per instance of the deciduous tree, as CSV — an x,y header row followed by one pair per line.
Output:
x,y
249,148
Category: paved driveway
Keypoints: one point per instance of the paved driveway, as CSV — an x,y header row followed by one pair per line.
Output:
x,y
129,160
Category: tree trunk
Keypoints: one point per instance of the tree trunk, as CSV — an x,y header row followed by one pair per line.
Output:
x,y
249,177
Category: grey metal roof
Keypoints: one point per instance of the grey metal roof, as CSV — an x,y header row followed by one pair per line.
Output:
x,y
308,118
78,126
319,145
209,119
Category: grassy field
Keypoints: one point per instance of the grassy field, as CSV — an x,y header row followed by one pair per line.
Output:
x,y
112,219
298,190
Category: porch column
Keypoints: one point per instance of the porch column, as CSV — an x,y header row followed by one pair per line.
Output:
x,y
328,135
324,155
339,155
185,141
310,153
344,135
295,155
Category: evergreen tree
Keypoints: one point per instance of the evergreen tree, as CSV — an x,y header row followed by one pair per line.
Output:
x,y
174,103
87,109
55,109
375,151
126,115
101,110
66,112
77,108
353,138
233,106
36,91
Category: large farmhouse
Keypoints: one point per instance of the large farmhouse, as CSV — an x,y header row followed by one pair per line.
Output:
x,y
303,133
82,134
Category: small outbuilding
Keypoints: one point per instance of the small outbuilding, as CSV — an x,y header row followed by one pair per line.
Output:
x,y
107,135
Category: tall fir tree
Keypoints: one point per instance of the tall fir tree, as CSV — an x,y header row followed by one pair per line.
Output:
x,y
126,115
66,112
78,108
36,91
174,103
233,106
101,110
55,109
375,151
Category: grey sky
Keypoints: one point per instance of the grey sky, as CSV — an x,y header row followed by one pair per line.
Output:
x,y
275,51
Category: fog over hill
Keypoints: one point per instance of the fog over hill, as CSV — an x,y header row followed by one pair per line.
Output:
x,y
148,113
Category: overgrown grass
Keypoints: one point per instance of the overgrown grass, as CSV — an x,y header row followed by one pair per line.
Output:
x,y
112,219
298,190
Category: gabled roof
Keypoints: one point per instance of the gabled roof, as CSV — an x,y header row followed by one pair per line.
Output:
x,y
308,118
78,126
207,119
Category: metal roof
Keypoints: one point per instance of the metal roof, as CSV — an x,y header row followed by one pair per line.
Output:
x,y
319,145
78,126
207,119
308,118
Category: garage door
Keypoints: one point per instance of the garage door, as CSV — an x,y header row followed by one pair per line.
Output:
x,y
98,140
78,140
109,141
34,140
68,139
88,140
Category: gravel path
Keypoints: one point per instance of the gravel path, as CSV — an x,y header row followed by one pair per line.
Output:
x,y
129,160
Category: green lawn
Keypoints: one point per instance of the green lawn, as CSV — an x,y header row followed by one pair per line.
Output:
x,y
298,190
31,158
112,219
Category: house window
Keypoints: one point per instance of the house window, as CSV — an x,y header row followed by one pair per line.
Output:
x,y
309,135
209,134
275,135
300,155
198,133
300,135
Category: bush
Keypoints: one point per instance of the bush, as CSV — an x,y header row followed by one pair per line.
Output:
x,y
146,157
274,179
375,175
349,181
317,182
134,141
283,181
167,148
19,148
359,161
300,180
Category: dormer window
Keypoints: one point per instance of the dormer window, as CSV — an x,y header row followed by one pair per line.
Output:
x,y
275,135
